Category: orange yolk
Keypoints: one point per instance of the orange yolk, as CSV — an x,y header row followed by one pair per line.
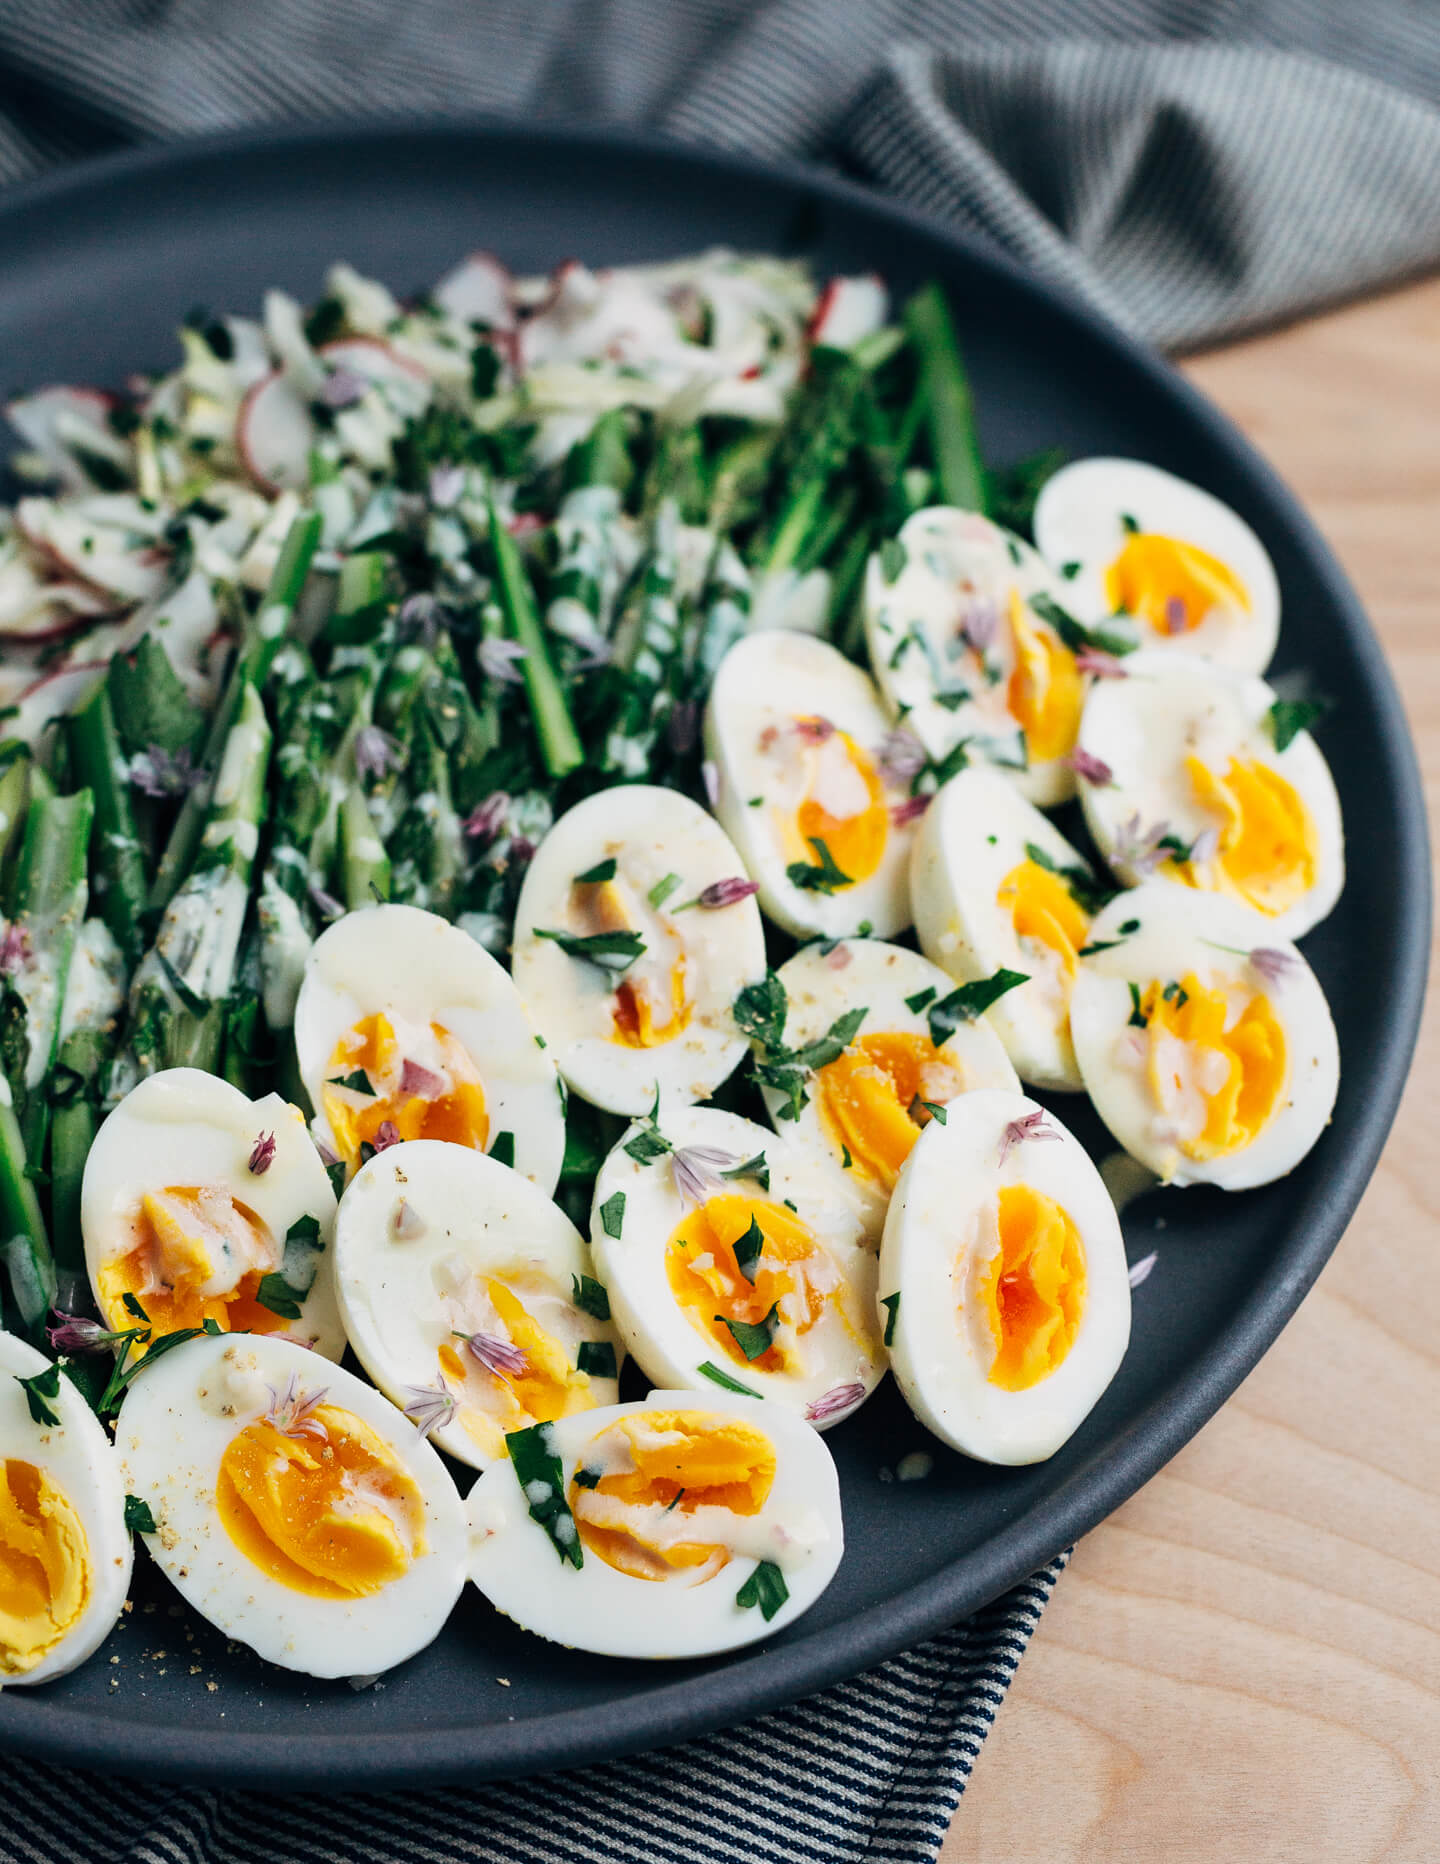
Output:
x,y
1033,1291
198,1255
335,1515
1046,691
44,1566
1172,585
1236,1073
1042,907
657,1470
457,1114
649,1009
857,841
493,1403
1267,851
707,1281
866,1096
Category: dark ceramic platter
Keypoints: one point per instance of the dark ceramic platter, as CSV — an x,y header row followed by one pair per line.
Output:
x,y
96,268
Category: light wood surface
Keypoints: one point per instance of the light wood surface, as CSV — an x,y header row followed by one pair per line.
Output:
x,y
1242,1666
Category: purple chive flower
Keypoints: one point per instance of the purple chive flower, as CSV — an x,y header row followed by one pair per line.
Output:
x,y
1273,964
522,850
902,755
1174,614
375,751
1099,665
327,1157
446,484
293,1413
74,1333
835,1403
429,1407
1029,1126
977,626
682,726
696,1170
498,661
416,1078
1140,1271
710,777
342,388
262,1154
495,1355
911,809
387,1134
1094,770
727,892
1205,846
158,772
487,818
326,904
420,615
1139,847
14,949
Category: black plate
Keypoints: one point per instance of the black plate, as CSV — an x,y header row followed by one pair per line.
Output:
x,y
96,268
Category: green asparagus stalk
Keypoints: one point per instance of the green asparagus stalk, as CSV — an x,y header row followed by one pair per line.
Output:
x,y
726,604
656,633
364,862
50,898
120,882
89,1018
950,413
25,1248
560,745
14,797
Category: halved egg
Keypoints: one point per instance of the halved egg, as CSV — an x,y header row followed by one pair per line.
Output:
x,y
294,1507
1131,539
1184,780
959,621
1003,1283
693,1523
797,737
405,1028
997,888
636,930
469,1298
733,1261
65,1552
1206,1043
903,1046
201,1205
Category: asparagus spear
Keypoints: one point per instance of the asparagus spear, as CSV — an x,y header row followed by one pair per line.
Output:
x,y
950,414
365,864
25,1250
120,882
655,632
560,745
94,997
726,604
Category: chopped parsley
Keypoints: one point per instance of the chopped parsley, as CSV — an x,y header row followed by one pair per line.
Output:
x,y
138,1518
503,1150
541,1476
593,876
590,1297
891,1305
753,1340
1088,893
766,1588
40,1389
921,1000
1289,717
968,1001
612,951
1137,1018
612,1214
893,558
757,1169
824,876
748,1249
357,1083
597,1357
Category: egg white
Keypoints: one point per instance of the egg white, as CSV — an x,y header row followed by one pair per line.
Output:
x,y
399,1271
762,766
416,967
939,1241
661,840
1080,529
598,1608
1178,931
1170,706
174,1427
655,1328
184,1127
80,1460
823,984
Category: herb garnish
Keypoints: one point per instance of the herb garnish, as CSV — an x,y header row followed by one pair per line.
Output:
x,y
969,1001
891,1305
752,1339
612,951
590,1296
1289,717
138,1518
39,1389
593,876
717,1377
822,877
612,1214
541,1475
766,1588
1088,893
597,1357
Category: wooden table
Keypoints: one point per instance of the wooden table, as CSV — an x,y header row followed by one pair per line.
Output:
x,y
1242,1666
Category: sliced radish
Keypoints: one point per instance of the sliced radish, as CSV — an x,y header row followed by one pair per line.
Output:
x,y
478,291
83,544
55,422
52,697
371,358
275,434
37,608
849,309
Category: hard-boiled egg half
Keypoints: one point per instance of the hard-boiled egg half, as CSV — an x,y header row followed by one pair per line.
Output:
x,y
202,1205
65,1551
469,1298
405,1028
960,624
1000,894
1132,539
635,931
1003,1281
1193,774
294,1507
797,737
887,1042
1206,1043
733,1262
689,1524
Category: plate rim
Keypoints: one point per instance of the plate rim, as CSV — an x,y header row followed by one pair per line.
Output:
x,y
765,1679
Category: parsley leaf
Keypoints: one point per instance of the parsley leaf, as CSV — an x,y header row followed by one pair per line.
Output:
x,y
766,1588
138,1518
590,1297
968,1001
893,558
760,1011
757,1169
921,1000
602,870
276,1294
612,951
38,1390
748,1249
823,877
1137,1018
1088,893
612,1214
833,1044
1289,717
891,1305
597,1357
356,1083
541,1476
1075,635
503,1150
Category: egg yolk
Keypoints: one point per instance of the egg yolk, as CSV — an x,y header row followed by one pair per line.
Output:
x,y
327,1509
439,1102
656,1473
198,1255
1042,907
711,1287
650,1005
1267,851
844,806
44,1566
1033,1291
1217,1074
492,1403
1046,692
1170,584
870,1098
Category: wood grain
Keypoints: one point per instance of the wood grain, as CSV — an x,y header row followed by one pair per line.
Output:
x,y
1244,1662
